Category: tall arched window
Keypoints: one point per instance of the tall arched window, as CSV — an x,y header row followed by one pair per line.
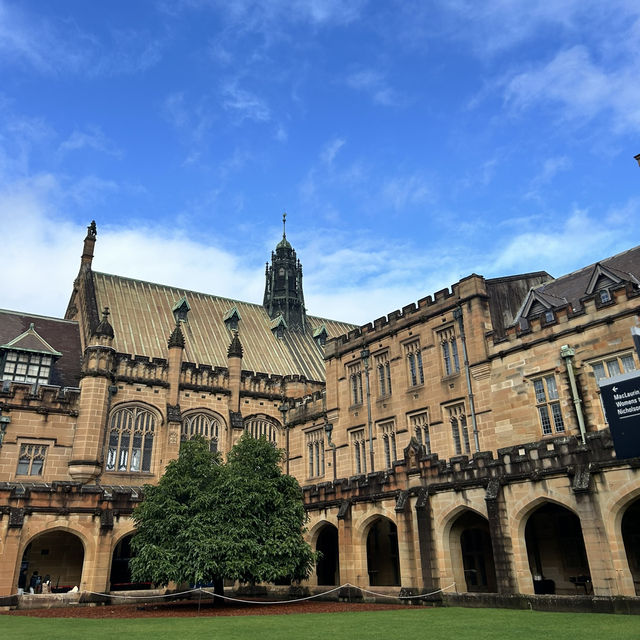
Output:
x,y
201,424
131,440
262,426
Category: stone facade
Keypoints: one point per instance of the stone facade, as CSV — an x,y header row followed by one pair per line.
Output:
x,y
443,447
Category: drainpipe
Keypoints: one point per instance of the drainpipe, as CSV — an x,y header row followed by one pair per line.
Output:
x,y
364,354
567,353
457,315
284,408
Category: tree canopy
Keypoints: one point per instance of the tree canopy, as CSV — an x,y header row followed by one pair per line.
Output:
x,y
207,520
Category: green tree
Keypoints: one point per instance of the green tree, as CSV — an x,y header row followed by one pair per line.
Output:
x,y
206,521
261,524
173,539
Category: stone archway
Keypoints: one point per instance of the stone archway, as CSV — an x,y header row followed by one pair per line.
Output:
x,y
328,567
55,555
470,542
120,576
383,563
556,551
631,538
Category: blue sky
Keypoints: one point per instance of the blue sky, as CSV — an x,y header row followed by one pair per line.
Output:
x,y
411,143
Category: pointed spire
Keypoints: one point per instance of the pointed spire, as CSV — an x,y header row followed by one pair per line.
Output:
x,y
104,329
176,339
235,348
89,244
284,243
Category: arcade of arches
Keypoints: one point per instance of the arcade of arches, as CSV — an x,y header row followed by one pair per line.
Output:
x,y
552,540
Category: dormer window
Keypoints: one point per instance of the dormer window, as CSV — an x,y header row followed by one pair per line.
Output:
x,y
549,316
34,368
181,309
604,295
278,326
320,335
232,318
27,358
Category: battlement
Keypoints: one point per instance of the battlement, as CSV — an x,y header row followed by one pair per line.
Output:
x,y
140,369
40,398
193,376
442,300
306,408
568,319
526,462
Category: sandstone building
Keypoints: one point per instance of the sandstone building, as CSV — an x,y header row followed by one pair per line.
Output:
x,y
459,443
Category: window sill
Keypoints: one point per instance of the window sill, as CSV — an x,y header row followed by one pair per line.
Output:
x,y
130,474
451,376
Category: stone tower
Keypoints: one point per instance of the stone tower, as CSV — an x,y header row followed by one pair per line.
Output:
x,y
283,288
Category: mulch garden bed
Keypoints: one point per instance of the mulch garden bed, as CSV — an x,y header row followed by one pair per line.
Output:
x,y
191,609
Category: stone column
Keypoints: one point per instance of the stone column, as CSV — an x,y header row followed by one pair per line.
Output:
x,y
500,539
171,440
425,543
596,544
95,401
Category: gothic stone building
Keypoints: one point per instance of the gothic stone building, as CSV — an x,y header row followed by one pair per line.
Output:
x,y
458,444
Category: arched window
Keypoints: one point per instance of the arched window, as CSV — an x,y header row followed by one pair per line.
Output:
x,y
201,424
131,440
262,426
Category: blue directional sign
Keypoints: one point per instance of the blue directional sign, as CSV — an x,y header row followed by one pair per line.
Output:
x,y
621,402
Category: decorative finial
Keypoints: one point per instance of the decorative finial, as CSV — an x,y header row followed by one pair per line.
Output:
x,y
91,229
284,224
104,328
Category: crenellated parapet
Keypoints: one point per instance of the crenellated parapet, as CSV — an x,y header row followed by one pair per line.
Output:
x,y
43,399
204,378
567,320
141,370
411,314
306,409
104,503
530,462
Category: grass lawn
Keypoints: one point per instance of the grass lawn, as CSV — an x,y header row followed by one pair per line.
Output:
x,y
434,624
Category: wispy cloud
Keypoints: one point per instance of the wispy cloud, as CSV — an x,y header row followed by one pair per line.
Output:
x,y
56,47
585,89
330,151
245,104
550,168
91,138
192,119
580,238
400,192
375,84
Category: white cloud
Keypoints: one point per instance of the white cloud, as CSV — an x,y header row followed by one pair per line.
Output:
x,y
42,254
401,192
331,149
192,119
375,84
246,105
56,46
92,138
583,87
560,247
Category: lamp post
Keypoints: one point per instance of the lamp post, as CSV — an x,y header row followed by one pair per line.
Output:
x,y
364,354
328,429
283,409
4,421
